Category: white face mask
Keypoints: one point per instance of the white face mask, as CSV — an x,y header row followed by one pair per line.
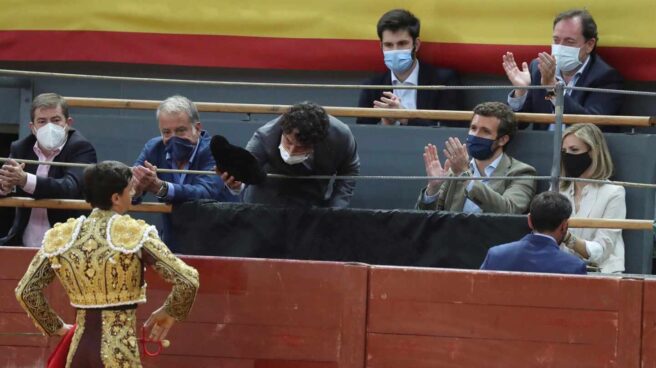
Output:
x,y
567,57
51,136
292,160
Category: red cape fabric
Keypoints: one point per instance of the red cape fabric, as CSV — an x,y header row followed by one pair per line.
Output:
x,y
58,357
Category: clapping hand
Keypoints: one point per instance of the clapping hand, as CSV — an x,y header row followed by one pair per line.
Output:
x,y
434,168
518,78
389,101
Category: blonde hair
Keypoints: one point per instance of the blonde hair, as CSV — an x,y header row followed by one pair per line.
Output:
x,y
602,163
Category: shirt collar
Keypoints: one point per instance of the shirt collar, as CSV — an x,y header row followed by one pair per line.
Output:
x,y
489,169
413,78
41,153
577,75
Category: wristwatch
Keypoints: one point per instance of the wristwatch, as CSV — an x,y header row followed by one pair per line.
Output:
x,y
163,190
466,173
570,240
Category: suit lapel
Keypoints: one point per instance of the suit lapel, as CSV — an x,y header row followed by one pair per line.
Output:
x,y
56,171
423,96
586,206
502,170
30,155
385,81
584,80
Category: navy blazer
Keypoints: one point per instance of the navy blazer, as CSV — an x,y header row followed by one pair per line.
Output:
x,y
597,74
193,187
426,99
532,253
61,183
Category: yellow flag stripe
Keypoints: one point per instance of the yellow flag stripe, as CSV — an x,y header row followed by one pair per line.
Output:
x,y
505,22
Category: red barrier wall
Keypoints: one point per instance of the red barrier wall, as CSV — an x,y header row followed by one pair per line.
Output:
x,y
256,313
248,313
649,324
289,314
446,318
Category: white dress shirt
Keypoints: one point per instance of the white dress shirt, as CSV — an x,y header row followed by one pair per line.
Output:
x,y
408,96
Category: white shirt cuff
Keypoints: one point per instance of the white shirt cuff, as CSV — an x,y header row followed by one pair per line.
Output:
x,y
516,103
236,192
170,192
429,198
595,251
30,184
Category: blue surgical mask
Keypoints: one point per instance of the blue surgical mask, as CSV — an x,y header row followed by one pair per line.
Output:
x,y
567,57
398,61
480,148
180,149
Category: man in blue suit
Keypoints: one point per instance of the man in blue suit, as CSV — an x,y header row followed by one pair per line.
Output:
x,y
539,251
182,145
573,61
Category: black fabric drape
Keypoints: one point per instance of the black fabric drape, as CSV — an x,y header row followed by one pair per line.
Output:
x,y
382,237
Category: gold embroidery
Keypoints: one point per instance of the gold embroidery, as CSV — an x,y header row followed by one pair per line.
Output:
x,y
174,270
29,293
127,233
119,343
80,319
95,275
59,236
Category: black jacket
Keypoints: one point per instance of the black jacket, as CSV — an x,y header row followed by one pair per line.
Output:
x,y
597,74
426,99
61,183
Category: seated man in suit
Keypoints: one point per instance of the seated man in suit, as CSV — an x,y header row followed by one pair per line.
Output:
x,y
52,139
303,141
573,61
539,251
182,145
398,31
490,131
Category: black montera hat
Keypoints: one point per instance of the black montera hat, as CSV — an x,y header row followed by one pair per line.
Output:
x,y
237,161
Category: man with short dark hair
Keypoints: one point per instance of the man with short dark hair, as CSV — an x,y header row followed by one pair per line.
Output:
x,y
303,141
52,139
573,61
490,131
539,251
398,31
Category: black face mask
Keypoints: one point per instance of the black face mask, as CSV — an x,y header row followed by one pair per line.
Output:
x,y
575,165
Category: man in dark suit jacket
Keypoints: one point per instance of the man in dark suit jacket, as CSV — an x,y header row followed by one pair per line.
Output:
x,y
303,141
573,61
398,31
539,252
182,145
52,139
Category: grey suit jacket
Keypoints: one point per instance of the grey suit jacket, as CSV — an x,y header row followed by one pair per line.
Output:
x,y
497,196
336,155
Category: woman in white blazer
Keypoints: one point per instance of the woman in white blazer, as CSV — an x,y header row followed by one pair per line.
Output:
x,y
585,155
